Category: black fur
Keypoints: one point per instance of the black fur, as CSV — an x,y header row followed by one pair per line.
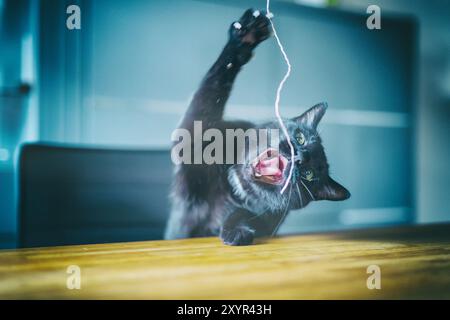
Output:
x,y
228,200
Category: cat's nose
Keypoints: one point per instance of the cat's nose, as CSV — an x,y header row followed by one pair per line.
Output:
x,y
305,157
298,159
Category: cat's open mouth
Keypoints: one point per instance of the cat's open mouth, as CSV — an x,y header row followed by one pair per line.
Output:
x,y
269,167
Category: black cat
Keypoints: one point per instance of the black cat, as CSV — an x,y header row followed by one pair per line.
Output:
x,y
243,201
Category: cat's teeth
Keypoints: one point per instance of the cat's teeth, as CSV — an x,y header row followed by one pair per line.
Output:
x,y
269,15
257,174
256,13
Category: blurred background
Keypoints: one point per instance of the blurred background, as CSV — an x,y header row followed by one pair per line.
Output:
x,y
123,81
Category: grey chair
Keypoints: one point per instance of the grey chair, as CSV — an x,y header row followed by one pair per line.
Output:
x,y
77,195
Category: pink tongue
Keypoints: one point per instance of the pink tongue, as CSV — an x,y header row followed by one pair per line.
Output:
x,y
269,167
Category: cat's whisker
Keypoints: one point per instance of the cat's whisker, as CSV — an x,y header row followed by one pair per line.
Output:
x,y
307,189
266,213
284,214
299,195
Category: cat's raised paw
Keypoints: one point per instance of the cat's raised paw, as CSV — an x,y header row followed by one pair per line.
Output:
x,y
251,29
238,236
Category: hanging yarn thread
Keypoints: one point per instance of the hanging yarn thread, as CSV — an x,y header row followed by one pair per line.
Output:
x,y
278,96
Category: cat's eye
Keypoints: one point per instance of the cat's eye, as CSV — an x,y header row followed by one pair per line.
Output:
x,y
309,175
300,137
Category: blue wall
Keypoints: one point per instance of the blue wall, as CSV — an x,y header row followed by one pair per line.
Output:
x,y
16,64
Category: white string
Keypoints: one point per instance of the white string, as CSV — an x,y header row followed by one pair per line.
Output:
x,y
277,100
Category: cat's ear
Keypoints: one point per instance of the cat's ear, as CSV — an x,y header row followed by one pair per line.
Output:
x,y
333,191
313,116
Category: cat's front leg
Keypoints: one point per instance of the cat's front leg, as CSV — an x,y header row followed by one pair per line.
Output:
x,y
241,227
244,36
238,236
236,231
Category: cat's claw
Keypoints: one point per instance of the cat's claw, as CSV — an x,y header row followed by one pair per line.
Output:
x,y
238,236
251,29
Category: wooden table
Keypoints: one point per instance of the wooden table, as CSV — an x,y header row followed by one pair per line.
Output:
x,y
414,263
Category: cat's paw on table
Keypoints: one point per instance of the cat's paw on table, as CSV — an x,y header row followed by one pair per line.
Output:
x,y
238,236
